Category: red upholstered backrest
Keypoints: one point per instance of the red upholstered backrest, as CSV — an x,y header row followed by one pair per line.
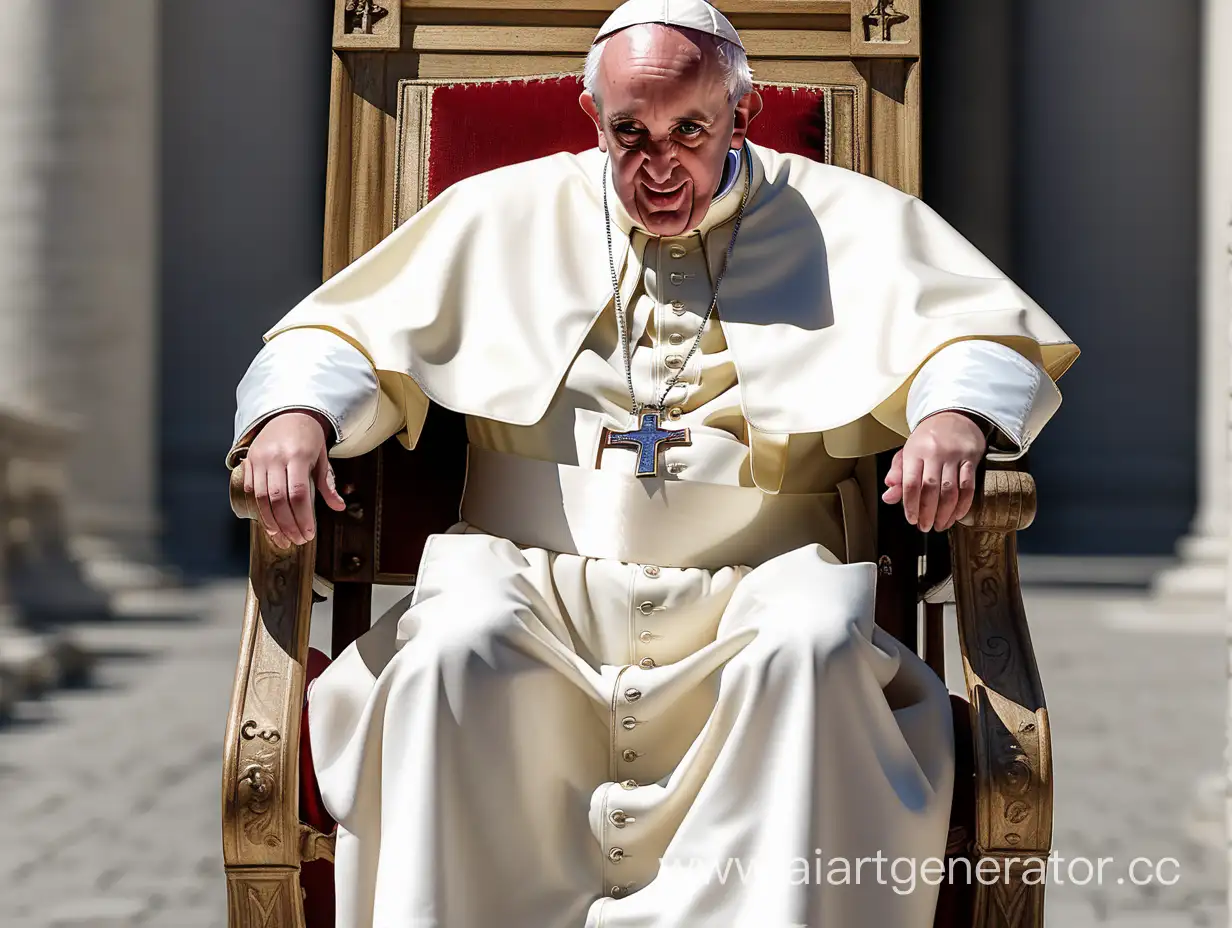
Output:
x,y
479,126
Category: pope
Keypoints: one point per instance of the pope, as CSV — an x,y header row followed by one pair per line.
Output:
x,y
639,682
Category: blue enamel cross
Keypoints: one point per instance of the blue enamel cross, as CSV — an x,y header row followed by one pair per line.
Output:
x,y
647,438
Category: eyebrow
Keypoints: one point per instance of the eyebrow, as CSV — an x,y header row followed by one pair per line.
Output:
x,y
688,117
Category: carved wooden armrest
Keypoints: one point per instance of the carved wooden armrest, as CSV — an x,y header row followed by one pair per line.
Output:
x,y
263,840
1013,759
243,504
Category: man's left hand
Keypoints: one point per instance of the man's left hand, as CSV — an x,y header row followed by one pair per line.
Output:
x,y
933,474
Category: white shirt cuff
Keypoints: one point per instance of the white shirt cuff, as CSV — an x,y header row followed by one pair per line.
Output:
x,y
992,381
305,369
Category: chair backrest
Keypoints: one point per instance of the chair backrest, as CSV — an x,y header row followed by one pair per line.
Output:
x,y
448,130
432,94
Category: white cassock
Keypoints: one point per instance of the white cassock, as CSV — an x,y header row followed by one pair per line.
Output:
x,y
612,702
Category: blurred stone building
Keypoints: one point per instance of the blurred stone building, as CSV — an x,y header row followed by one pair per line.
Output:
x,y
161,204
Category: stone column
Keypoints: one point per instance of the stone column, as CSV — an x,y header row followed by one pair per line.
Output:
x,y
78,221
25,143
1204,553
102,232
1217,275
32,434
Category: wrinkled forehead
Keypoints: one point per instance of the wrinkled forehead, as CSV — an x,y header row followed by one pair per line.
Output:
x,y
653,60
668,46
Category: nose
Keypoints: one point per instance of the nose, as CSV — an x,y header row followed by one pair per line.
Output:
x,y
659,168
660,161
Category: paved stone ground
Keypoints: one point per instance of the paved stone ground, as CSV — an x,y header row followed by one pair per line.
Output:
x,y
1137,698
110,795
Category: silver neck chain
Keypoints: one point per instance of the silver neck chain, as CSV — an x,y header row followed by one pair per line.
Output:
x,y
625,351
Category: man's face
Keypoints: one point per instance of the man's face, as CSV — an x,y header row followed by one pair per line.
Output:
x,y
665,120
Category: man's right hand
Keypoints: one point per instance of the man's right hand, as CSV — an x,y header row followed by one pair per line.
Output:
x,y
287,457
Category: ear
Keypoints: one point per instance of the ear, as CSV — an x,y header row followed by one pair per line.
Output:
x,y
591,108
746,111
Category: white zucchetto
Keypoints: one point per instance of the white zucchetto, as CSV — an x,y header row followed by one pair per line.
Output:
x,y
684,14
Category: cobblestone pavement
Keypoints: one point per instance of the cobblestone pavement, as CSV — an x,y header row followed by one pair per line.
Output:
x,y
1137,698
110,796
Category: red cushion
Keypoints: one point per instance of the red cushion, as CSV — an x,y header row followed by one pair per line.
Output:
x,y
480,126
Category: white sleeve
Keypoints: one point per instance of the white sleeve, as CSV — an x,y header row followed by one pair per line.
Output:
x,y
992,381
309,369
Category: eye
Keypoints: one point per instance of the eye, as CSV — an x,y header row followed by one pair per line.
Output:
x,y
629,131
689,129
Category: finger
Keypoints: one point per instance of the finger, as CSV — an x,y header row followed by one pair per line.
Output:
x,y
913,473
247,465
324,476
947,496
299,496
261,492
966,489
895,475
930,487
276,486
894,479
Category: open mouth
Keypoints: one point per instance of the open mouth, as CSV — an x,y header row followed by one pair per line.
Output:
x,y
668,200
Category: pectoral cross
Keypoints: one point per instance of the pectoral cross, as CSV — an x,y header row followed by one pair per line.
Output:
x,y
647,438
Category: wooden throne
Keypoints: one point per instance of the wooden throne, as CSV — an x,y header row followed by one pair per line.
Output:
x,y
419,90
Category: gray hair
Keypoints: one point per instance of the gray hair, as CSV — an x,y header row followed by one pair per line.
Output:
x,y
732,59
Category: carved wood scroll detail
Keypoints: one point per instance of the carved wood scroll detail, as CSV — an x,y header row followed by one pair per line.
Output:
x,y
314,845
361,15
1010,719
252,730
885,28
879,22
368,25
260,774
1012,903
256,788
264,897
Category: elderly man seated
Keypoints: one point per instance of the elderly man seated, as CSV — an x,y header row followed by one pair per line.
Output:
x,y
639,683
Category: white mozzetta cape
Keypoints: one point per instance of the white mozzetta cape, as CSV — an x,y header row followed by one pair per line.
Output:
x,y
840,288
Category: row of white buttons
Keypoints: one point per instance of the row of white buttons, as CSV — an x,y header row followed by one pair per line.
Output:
x,y
619,818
